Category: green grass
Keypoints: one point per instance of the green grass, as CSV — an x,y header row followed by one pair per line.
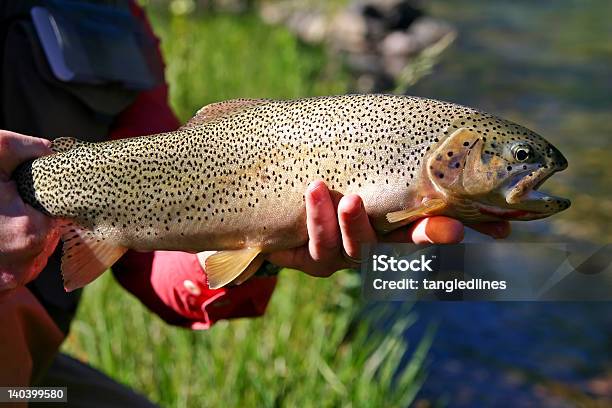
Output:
x,y
223,57
299,353
296,355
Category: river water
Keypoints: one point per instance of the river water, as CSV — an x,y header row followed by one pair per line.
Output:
x,y
548,66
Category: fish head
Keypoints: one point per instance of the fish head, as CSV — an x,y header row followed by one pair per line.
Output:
x,y
498,167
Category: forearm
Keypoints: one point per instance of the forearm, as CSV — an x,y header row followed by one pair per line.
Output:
x,y
29,339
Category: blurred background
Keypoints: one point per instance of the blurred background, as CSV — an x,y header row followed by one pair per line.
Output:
x,y
546,65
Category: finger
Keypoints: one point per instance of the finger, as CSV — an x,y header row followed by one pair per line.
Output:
x,y
16,148
355,225
24,228
300,259
23,240
294,258
401,235
497,230
437,230
12,205
8,194
323,231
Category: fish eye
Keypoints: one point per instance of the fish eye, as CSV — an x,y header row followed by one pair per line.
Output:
x,y
521,152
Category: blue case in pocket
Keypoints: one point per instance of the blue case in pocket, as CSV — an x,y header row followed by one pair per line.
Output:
x,y
96,44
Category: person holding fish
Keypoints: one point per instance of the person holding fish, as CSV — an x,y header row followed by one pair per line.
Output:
x,y
36,311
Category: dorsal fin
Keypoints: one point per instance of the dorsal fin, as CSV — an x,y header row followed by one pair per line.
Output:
x,y
216,110
63,144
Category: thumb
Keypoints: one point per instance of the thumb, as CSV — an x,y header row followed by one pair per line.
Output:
x,y
437,230
16,148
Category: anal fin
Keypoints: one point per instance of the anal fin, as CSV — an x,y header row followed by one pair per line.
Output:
x,y
225,266
85,256
250,270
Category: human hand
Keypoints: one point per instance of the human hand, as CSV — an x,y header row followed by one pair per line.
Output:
x,y
338,226
27,237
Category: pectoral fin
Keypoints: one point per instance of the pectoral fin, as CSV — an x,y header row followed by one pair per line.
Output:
x,y
430,207
225,266
85,256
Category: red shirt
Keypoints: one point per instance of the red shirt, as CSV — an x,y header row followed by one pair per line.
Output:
x,y
172,284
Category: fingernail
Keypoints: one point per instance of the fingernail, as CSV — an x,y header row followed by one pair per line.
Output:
x,y
499,232
314,185
419,235
356,213
317,192
7,281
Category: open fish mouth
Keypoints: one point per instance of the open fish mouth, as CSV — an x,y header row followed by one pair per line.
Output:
x,y
523,200
524,194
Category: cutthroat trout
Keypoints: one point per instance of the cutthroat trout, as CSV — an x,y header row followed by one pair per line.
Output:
x,y
232,179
